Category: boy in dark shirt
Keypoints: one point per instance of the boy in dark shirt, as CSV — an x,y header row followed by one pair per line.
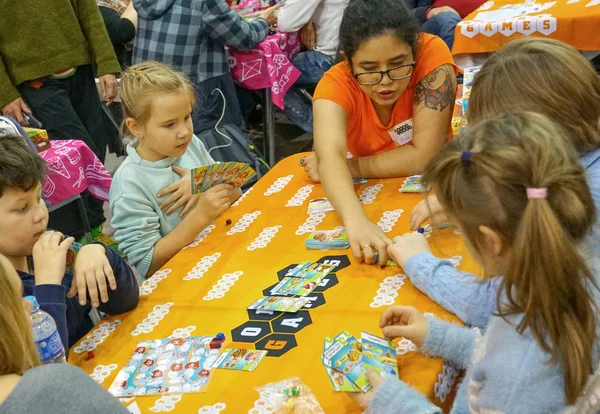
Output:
x,y
101,278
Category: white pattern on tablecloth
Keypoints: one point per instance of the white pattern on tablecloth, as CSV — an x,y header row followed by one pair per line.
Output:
x,y
445,382
300,197
368,195
166,403
313,220
153,318
202,267
150,284
264,238
279,185
201,236
183,332
243,223
212,409
388,291
101,372
96,337
223,285
389,220
239,200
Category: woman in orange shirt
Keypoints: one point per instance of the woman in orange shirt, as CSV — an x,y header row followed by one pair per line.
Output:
x,y
389,105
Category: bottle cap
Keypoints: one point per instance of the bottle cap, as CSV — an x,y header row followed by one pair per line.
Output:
x,y
33,300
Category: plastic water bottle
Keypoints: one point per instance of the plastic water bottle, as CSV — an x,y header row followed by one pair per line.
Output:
x,y
45,335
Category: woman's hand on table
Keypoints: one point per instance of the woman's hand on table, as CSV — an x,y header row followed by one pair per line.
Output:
x,y
180,194
310,167
364,398
270,15
308,35
91,272
404,322
406,246
427,209
365,238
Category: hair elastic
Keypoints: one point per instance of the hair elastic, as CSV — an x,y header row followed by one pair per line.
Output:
x,y
537,193
465,157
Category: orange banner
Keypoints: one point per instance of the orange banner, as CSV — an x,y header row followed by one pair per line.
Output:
x,y
206,288
496,22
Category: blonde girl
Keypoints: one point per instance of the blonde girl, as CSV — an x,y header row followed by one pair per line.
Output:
x,y
148,187
519,196
25,385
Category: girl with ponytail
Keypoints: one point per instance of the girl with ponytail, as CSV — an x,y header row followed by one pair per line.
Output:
x,y
515,189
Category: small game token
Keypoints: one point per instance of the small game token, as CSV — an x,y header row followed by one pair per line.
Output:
x,y
90,354
228,222
421,230
220,337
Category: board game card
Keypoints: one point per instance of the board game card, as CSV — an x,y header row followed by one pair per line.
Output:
x,y
357,181
207,183
279,304
198,174
337,378
239,359
413,184
345,355
319,205
242,176
379,354
390,262
301,286
328,240
165,366
314,271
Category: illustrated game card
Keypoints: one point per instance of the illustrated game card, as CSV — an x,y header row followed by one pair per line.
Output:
x,y
279,304
327,240
239,359
413,184
379,354
345,355
319,205
339,381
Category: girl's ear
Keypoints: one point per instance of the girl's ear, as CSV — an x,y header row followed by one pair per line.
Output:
x,y
133,127
492,241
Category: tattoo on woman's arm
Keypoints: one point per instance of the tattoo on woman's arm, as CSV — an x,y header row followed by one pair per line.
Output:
x,y
436,89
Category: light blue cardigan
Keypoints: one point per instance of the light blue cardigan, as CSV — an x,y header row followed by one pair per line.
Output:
x,y
511,374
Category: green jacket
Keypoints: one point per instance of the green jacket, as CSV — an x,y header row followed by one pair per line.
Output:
x,y
41,37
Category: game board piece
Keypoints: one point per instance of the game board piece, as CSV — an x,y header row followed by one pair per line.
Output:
x,y
165,366
239,359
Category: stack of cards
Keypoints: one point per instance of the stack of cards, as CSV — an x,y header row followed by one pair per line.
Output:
x,y
413,184
239,359
345,360
327,240
304,279
319,205
279,304
233,173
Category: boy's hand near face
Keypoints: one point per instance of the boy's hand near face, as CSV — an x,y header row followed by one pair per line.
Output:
x,y
50,258
92,274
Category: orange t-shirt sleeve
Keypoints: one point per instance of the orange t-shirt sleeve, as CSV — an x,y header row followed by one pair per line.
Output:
x,y
336,85
432,54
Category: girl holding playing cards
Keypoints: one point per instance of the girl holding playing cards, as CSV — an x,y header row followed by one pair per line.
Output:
x,y
388,104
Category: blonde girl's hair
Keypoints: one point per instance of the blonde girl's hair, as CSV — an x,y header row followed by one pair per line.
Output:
x,y
17,351
142,83
544,76
481,179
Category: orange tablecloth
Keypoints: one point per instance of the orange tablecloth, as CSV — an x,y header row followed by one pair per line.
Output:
x,y
192,300
496,22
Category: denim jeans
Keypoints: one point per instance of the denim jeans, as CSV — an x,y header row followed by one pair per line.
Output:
x,y
443,26
313,66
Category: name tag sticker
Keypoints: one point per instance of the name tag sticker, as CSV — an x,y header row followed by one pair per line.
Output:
x,y
402,133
